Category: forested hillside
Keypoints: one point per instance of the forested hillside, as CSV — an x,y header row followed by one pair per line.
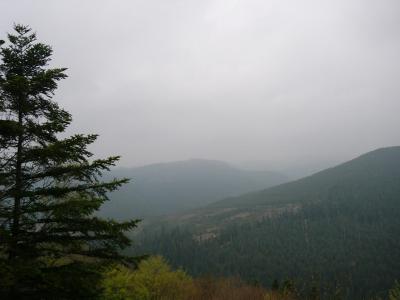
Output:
x,y
177,186
199,150
336,231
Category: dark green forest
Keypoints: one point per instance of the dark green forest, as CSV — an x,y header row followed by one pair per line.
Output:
x,y
335,247
344,241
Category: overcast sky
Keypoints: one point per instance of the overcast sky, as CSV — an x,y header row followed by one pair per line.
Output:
x,y
282,81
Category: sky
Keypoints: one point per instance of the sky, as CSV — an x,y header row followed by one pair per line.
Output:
x,y
280,82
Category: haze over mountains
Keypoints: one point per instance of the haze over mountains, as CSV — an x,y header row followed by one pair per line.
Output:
x,y
282,100
177,186
338,227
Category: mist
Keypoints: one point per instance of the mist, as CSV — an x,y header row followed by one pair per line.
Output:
x,y
282,83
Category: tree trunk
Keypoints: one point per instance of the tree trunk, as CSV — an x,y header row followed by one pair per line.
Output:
x,y
17,193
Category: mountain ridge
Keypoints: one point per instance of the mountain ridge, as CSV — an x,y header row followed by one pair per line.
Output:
x,y
335,231
163,188
371,161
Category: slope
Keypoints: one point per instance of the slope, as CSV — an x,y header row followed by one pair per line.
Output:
x,y
172,187
335,232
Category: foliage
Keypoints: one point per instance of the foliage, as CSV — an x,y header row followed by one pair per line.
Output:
x,y
232,288
153,279
394,292
51,244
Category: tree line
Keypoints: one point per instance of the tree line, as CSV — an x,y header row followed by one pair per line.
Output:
x,y
336,248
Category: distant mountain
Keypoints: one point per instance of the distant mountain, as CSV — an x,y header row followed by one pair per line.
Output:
x,y
177,186
362,177
335,232
294,170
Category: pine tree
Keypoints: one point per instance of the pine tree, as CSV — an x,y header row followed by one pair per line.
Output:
x,y
51,242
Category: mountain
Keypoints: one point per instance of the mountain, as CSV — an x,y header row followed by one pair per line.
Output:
x,y
177,186
335,232
295,169
376,170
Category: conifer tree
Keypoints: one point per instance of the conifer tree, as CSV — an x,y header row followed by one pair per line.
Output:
x,y
51,242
